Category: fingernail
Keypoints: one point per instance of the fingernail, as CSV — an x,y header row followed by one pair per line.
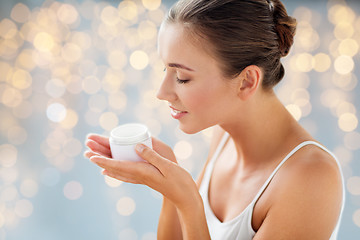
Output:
x,y
140,148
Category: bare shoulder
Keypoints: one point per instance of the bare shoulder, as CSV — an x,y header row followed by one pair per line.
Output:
x,y
217,135
312,168
305,195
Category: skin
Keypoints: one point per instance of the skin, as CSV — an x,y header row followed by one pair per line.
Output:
x,y
303,201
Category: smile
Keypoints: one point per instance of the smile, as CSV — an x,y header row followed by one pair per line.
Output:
x,y
177,114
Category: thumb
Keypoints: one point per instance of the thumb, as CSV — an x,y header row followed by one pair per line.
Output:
x,y
151,156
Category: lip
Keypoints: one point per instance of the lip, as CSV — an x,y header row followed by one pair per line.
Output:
x,y
176,113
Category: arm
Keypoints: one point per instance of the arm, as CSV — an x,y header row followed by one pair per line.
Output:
x,y
307,204
169,224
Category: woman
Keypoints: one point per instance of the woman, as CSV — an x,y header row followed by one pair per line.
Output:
x,y
265,177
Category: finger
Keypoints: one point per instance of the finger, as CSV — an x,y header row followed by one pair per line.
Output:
x,y
127,167
163,150
152,157
156,143
104,162
133,172
118,177
89,154
99,139
96,147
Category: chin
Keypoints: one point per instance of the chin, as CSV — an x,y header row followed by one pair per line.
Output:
x,y
191,129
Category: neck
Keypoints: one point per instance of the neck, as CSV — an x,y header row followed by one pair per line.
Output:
x,y
266,126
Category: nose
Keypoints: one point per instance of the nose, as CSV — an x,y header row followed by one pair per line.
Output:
x,y
166,91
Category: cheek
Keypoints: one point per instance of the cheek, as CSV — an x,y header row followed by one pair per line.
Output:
x,y
202,99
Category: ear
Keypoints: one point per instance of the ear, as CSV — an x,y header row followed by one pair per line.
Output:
x,y
250,81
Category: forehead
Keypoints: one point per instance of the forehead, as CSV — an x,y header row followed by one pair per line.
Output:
x,y
177,44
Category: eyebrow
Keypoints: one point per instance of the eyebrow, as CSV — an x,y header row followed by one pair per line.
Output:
x,y
177,65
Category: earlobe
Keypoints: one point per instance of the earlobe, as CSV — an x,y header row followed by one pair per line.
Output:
x,y
250,80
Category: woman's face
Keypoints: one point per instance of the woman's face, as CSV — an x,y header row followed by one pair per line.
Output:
x,y
198,95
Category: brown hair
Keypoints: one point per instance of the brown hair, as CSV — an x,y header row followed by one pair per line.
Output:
x,y
241,33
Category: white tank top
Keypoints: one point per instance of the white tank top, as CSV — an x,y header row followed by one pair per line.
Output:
x,y
240,227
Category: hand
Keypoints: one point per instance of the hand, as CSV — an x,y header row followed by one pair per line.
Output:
x,y
160,171
99,145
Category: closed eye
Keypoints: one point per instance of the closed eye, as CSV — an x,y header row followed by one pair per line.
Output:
x,y
182,81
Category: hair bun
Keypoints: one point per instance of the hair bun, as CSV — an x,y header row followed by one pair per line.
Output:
x,y
285,27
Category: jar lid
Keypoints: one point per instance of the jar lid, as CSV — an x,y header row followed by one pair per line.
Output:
x,y
130,133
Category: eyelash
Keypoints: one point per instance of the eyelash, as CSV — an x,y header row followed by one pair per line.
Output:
x,y
181,81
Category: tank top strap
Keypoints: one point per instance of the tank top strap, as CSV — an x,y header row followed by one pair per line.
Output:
x,y
209,168
298,147
219,148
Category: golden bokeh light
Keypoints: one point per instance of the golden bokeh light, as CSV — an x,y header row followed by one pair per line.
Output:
x,y
345,82
5,70
108,120
295,111
348,122
151,4
356,217
156,16
349,47
128,10
29,188
20,13
8,29
125,206
23,208
44,42
321,62
91,85
71,119
147,30
25,60
110,15
67,14
183,149
71,53
73,190
303,62
344,64
56,112
55,88
353,185
8,49
81,39
113,80
307,38
117,101
344,107
8,155
340,13
11,97
21,79
344,30
72,147
139,60
112,182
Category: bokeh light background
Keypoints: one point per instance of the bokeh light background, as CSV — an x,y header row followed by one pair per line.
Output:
x,y
70,67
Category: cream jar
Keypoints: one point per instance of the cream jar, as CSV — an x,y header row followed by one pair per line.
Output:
x,y
124,138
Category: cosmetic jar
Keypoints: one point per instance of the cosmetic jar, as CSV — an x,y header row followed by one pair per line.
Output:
x,y
124,138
